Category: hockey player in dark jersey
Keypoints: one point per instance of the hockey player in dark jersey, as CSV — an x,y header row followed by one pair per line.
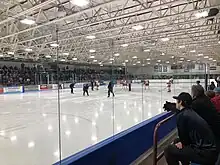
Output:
x,y
110,89
71,87
85,89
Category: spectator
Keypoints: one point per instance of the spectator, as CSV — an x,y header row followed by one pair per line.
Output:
x,y
216,100
210,94
212,86
203,106
196,141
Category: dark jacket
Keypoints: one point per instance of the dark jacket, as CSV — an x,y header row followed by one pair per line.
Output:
x,y
110,85
203,107
193,130
85,87
212,87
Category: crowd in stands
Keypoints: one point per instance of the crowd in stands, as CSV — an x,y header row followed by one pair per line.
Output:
x,y
36,74
15,76
198,125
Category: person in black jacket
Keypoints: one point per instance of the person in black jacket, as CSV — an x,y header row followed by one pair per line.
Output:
x,y
196,140
92,85
110,89
212,86
203,106
85,89
71,87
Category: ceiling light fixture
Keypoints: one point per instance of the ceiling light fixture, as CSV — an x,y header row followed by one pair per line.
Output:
x,y
124,45
11,53
134,64
48,56
28,50
193,51
94,60
158,60
116,54
134,57
74,59
201,14
126,60
1,55
172,57
210,59
168,62
148,63
63,60
111,59
165,39
80,3
188,60
92,57
92,51
27,21
54,45
181,59
138,27
90,37
206,57
148,59
200,54
163,54
214,60
147,50
101,64
66,54
138,62
182,46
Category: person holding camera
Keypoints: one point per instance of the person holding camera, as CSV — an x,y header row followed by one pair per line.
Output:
x,y
196,142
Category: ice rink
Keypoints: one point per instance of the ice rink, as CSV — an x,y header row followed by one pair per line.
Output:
x,y
29,121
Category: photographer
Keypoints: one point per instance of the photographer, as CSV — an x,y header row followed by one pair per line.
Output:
x,y
196,140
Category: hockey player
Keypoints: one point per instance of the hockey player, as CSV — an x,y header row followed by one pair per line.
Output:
x,y
85,89
92,85
146,84
71,87
124,84
169,86
110,89
217,79
129,85
171,80
198,82
97,85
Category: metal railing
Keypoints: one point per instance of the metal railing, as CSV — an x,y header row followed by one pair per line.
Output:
x,y
156,157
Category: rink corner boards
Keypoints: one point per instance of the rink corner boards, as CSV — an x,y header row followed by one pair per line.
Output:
x,y
124,147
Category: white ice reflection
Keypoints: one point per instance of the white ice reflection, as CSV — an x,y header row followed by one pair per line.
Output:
x,y
76,120
68,132
50,128
13,138
31,144
2,133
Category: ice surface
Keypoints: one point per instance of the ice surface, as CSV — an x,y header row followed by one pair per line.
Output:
x,y
29,121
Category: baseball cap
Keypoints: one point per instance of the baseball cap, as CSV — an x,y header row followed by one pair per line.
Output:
x,y
185,97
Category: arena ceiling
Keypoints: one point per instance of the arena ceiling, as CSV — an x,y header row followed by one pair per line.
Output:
x,y
136,32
